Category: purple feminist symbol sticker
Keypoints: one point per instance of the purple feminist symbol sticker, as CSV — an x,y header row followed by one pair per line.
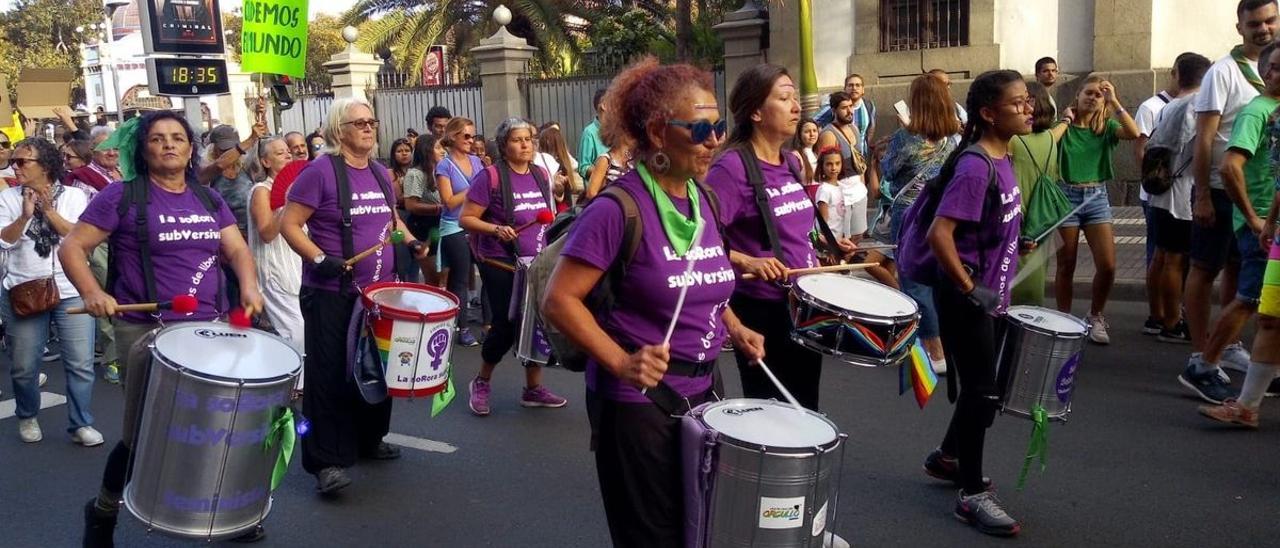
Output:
x,y
437,347
1067,378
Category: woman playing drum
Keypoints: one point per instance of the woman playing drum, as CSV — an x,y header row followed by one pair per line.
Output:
x,y
670,115
499,245
343,425
165,260
968,253
765,114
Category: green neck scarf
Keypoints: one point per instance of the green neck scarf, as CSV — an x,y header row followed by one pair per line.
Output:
x,y
679,228
1237,53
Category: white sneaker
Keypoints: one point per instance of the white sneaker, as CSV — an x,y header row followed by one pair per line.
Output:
x,y
832,540
939,366
1098,330
87,436
29,430
1236,358
42,379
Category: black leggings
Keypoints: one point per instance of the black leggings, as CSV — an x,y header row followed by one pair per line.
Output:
x,y
798,368
455,255
497,286
969,336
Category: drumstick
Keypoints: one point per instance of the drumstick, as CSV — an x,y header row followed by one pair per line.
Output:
x,y
786,394
182,304
395,238
817,269
544,218
874,247
684,281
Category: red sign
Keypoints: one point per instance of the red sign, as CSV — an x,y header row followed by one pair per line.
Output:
x,y
434,67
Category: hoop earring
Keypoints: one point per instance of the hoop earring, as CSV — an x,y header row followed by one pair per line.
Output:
x,y
659,162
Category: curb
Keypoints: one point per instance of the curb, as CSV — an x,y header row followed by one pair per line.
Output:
x,y
1122,290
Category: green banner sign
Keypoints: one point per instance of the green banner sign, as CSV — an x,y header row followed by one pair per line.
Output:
x,y
274,37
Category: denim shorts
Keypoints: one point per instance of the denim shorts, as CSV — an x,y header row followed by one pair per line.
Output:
x,y
1213,247
1253,264
1097,212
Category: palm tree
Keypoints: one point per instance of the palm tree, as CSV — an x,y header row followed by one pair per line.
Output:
x,y
408,28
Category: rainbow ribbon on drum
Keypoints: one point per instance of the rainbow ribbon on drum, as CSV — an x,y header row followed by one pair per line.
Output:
x,y
1039,445
918,374
282,432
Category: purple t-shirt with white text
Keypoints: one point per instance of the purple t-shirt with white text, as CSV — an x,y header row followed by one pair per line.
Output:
x,y
652,284
793,213
986,237
317,188
185,241
527,199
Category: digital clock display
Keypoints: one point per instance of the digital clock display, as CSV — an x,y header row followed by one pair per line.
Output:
x,y
187,76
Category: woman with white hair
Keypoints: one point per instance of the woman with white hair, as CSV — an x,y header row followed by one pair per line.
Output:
x,y
345,201
279,268
507,194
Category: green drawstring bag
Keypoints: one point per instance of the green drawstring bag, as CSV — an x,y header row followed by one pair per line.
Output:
x,y
1047,204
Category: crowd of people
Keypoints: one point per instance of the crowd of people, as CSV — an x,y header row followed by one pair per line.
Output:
x,y
945,208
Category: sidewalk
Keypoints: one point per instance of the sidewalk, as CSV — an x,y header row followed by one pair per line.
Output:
x,y
1131,264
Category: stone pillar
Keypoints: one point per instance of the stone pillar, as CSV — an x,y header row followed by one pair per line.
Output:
x,y
233,109
746,38
503,59
354,71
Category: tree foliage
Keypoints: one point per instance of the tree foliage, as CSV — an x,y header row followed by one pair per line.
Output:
x,y
41,33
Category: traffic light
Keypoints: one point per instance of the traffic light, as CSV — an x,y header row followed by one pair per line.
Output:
x,y
281,92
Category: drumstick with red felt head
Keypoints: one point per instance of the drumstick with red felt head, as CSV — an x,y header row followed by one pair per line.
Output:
x,y
544,218
240,319
182,304
396,237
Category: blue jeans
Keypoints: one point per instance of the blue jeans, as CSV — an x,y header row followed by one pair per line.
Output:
x,y
27,339
922,294
1097,211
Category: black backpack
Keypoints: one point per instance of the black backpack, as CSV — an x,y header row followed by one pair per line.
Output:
x,y
137,194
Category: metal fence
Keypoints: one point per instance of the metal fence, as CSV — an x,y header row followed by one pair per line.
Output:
x,y
402,108
307,114
568,102
923,24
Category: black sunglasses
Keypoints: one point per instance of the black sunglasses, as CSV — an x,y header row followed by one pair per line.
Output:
x,y
5,145
21,162
700,130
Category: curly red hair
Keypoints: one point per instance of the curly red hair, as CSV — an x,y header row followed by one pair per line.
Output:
x,y
643,93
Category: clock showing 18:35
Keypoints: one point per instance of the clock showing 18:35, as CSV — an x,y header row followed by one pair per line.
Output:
x,y
187,76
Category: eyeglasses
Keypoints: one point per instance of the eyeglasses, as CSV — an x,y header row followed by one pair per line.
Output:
x,y
69,156
700,130
363,124
317,146
21,162
1020,103
4,145
467,136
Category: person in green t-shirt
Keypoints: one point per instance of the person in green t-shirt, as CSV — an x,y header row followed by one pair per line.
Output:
x,y
1035,163
1085,166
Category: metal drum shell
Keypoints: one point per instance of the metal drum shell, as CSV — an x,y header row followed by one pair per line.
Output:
x,y
805,306
1030,360
214,480
527,348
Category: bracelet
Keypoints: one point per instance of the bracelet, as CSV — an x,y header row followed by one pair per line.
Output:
x,y
241,150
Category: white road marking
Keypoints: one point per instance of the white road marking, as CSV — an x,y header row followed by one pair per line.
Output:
x,y
47,399
421,444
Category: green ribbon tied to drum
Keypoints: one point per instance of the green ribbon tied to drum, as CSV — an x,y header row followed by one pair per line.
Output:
x,y
442,398
1039,445
282,432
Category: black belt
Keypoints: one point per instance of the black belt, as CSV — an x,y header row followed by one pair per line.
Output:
x,y
666,398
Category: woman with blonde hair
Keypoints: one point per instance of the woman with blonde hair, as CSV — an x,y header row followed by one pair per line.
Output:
x,y
453,177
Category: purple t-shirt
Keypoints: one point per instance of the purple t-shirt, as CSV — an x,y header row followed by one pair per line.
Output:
x,y
527,200
458,181
793,213
642,312
317,188
185,245
986,238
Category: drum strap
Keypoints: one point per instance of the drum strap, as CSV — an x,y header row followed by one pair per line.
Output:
x,y
754,176
666,398
344,209
508,199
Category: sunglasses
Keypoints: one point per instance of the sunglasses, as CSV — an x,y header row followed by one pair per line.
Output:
x,y
317,146
21,162
700,130
467,136
363,124
69,156
4,145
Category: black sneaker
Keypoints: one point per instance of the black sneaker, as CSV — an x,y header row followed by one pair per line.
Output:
x,y
947,468
99,526
1180,334
984,511
331,480
1208,385
1273,389
384,451
1152,326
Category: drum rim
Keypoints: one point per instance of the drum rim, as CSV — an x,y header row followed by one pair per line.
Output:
x,y
393,313
131,506
700,412
1044,331
812,299
220,379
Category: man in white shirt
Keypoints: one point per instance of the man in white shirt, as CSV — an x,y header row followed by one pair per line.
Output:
x,y
1227,87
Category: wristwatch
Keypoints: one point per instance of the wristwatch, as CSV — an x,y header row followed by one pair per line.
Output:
x,y
318,259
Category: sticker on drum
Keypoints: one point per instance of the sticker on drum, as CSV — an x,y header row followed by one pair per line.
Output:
x,y
769,423
858,295
413,328
225,352
1046,319
1066,382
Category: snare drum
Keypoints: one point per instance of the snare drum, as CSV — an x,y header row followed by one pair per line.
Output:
x,y
532,346
201,467
412,325
759,473
1039,355
854,320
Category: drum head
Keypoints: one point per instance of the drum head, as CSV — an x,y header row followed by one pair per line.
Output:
x,y
1048,320
767,422
411,299
858,295
219,350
